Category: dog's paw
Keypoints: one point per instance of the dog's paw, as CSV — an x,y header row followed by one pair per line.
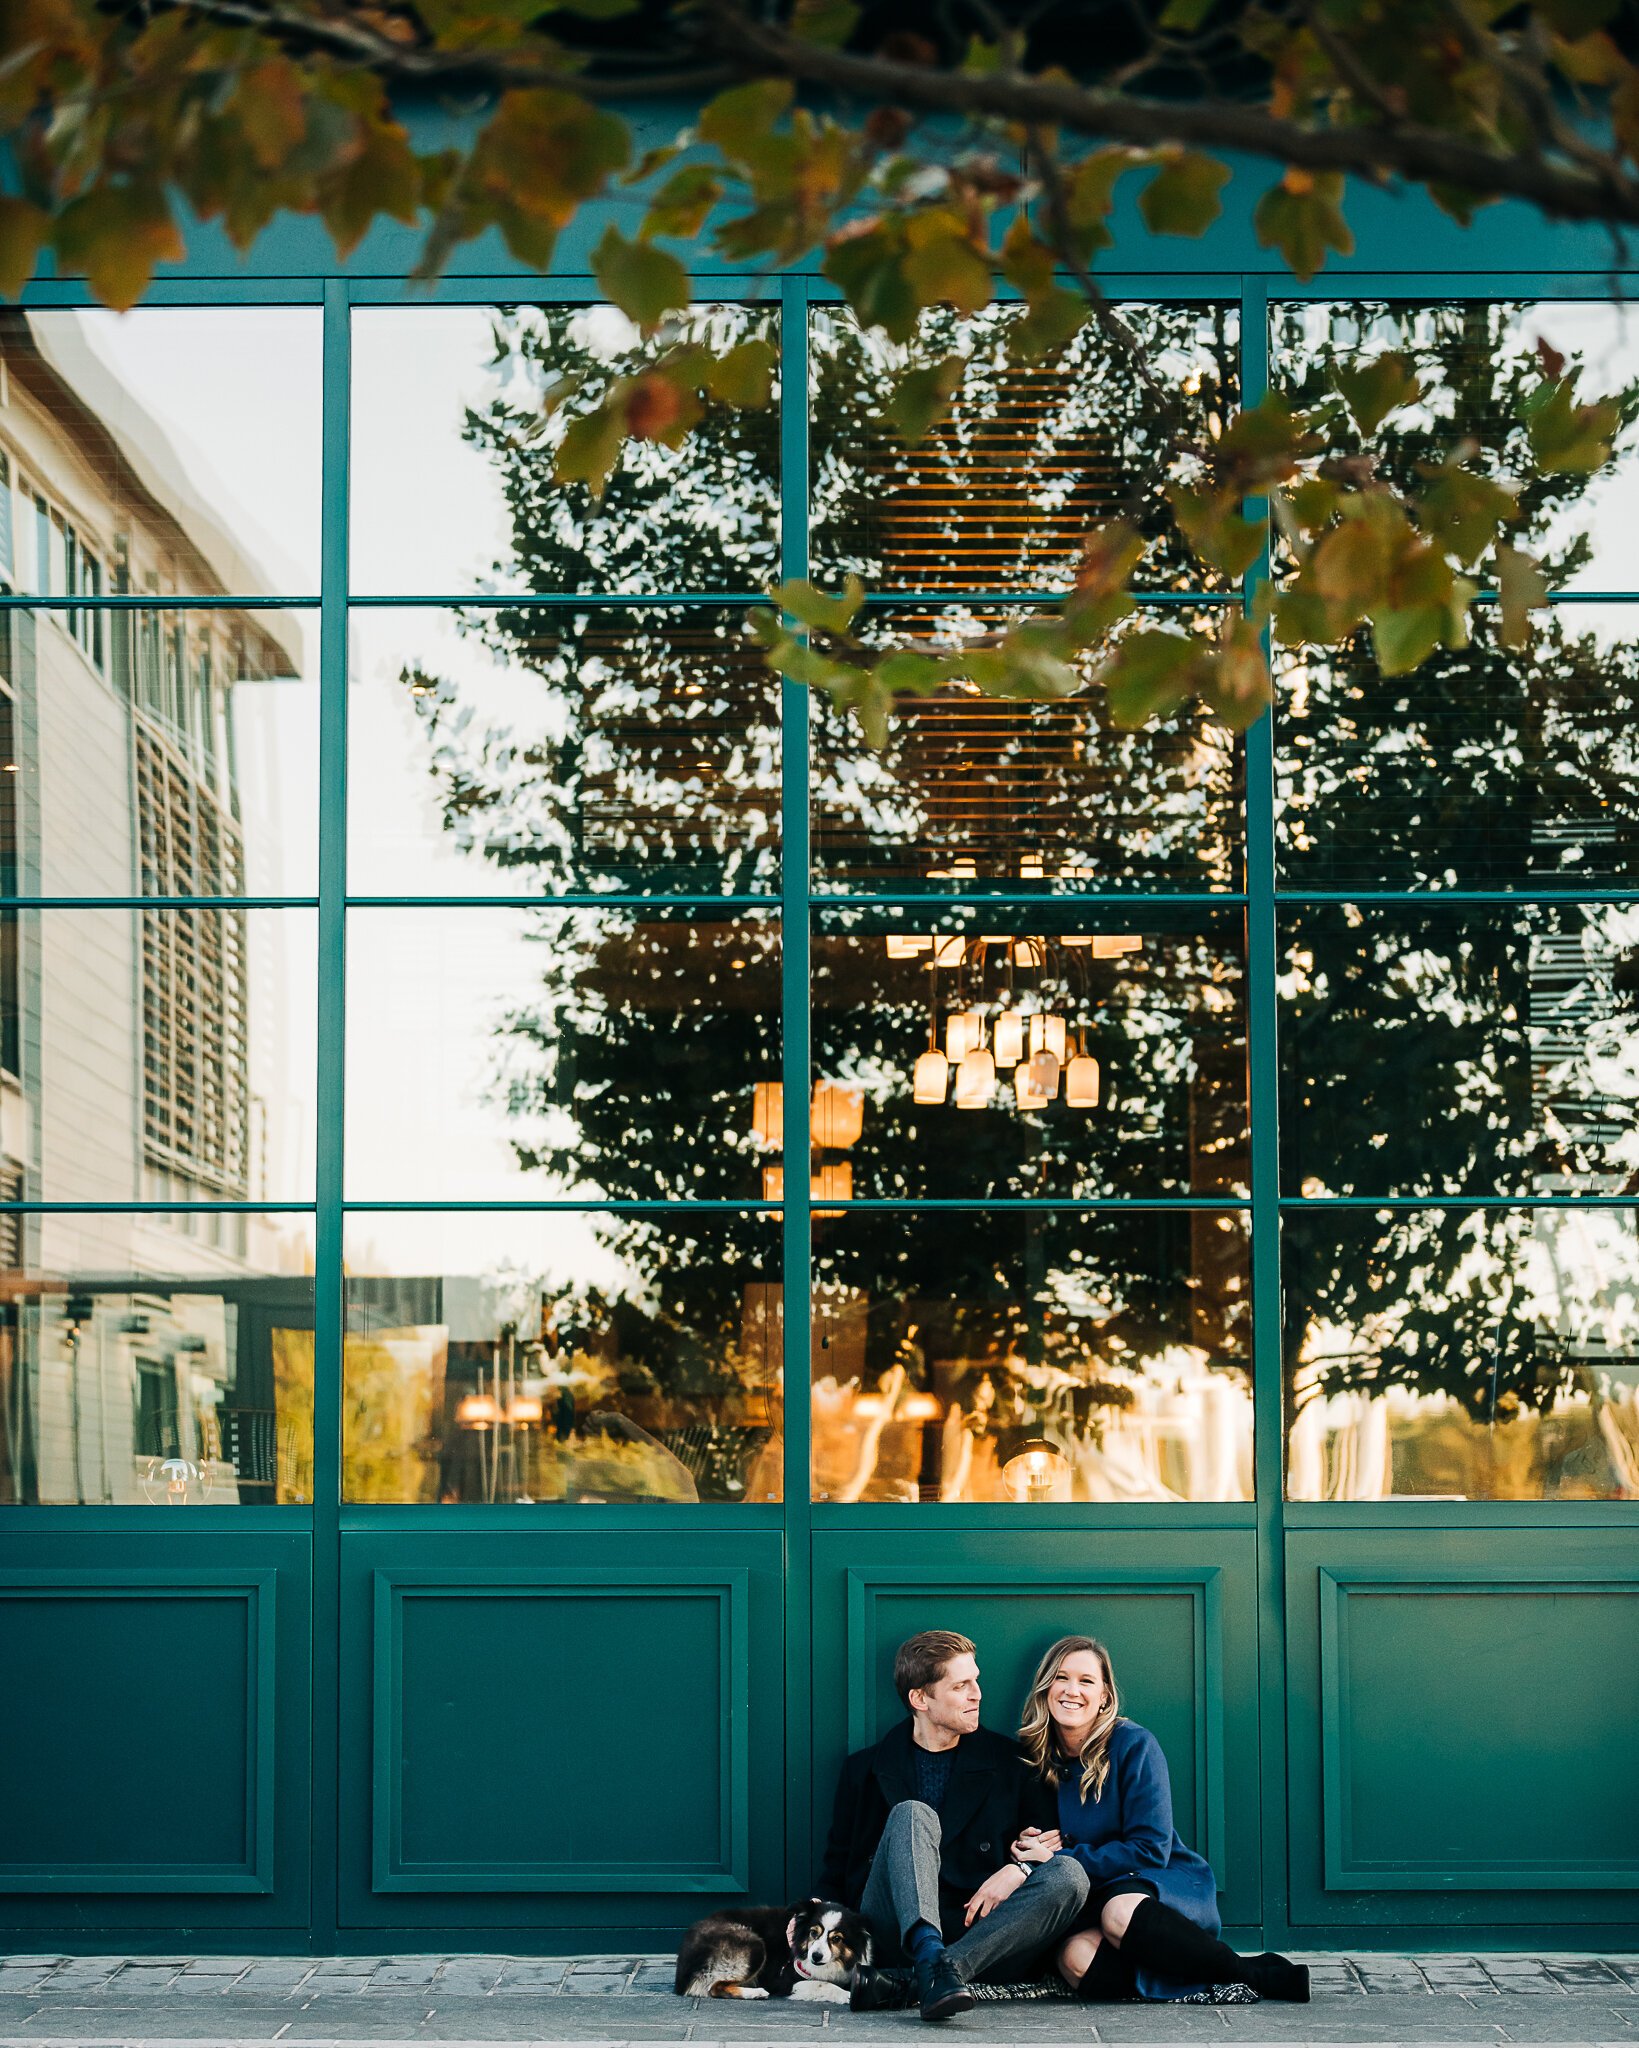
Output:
x,y
822,1994
749,1991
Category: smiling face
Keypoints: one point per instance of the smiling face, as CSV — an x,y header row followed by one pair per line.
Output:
x,y
1076,1695
949,1706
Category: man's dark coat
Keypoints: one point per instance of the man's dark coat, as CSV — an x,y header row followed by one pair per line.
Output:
x,y
979,1816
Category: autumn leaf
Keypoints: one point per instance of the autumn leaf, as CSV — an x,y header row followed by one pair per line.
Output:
x,y
1302,217
923,396
1521,589
1183,196
646,283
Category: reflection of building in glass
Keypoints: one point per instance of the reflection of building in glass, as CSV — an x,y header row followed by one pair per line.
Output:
x,y
127,1041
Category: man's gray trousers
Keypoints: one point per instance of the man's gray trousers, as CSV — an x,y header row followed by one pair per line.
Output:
x,y
903,1887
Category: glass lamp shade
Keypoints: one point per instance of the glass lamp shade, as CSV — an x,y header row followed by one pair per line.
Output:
x,y
1081,1082
833,1183
768,1112
477,1411
773,1183
975,1080
1037,1471
1028,953
907,946
932,1078
1047,1035
1007,1040
1112,945
964,1033
948,952
1036,1080
523,1409
837,1116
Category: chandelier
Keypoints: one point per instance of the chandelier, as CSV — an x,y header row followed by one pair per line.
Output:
x,y
998,1024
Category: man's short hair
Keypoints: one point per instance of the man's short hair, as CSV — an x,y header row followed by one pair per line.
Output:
x,y
920,1660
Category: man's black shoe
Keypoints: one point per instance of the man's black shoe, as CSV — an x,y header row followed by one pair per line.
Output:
x,y
881,1990
944,1994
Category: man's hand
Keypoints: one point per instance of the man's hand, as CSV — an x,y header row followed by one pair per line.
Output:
x,y
1001,1884
1037,1845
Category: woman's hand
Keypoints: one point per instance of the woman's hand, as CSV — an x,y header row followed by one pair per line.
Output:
x,y
1001,1884
1037,1845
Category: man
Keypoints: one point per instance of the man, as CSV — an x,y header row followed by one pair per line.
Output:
x,y
922,1836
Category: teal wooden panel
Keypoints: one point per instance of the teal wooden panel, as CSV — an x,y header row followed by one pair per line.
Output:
x,y
453,1815
1176,1611
153,1731
559,1737
1460,1726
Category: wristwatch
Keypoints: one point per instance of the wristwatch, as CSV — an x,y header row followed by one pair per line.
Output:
x,y
1019,1864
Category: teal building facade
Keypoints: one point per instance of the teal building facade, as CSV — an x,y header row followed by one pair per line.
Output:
x,y
555,1205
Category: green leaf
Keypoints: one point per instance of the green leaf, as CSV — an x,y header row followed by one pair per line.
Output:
x,y
594,10
590,448
1302,217
744,113
1404,638
923,396
813,607
1374,389
1149,674
682,204
1463,511
646,283
1183,196
942,266
1047,328
1521,589
1568,438
23,230
1234,676
827,22
917,674
744,377
870,269
116,234
1184,17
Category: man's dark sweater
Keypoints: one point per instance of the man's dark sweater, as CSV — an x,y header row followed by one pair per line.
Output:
x,y
933,1769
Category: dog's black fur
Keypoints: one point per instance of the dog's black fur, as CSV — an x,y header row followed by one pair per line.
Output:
x,y
811,1950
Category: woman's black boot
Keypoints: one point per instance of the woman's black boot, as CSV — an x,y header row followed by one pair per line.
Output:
x,y
1160,1939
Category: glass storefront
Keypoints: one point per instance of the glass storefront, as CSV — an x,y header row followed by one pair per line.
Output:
x,y
626,924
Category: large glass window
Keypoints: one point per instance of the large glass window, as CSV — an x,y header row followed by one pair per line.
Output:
x,y
518,750
456,421
1028,1357
1451,1354
565,1356
1034,1051
162,1055
179,446
976,793
163,1359
998,497
499,1054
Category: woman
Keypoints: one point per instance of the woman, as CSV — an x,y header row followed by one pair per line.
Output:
x,y
1150,1925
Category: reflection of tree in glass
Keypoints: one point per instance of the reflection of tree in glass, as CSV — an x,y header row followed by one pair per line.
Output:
x,y
1500,1350
653,758
1000,494
1430,1054
1485,767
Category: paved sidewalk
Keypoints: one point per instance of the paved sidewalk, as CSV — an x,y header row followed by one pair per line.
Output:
x,y
143,2002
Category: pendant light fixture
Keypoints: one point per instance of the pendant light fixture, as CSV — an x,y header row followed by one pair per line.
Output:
x,y
975,1079
964,1033
1036,1080
836,1116
768,1112
1007,1040
932,1077
1081,1080
1047,1034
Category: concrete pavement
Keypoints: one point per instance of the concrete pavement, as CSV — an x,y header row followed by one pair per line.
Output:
x,y
1367,2000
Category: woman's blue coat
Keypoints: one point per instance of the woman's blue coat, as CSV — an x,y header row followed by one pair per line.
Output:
x,y
1127,1831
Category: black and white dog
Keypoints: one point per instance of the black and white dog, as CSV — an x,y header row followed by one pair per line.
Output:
x,y
811,1950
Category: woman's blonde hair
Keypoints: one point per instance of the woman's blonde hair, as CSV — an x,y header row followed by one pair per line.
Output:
x,y
1036,1734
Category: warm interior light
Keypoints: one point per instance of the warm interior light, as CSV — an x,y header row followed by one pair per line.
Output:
x,y
1036,1080
1030,868
773,1183
908,945
523,1409
1028,953
1047,1035
768,1112
920,1408
477,1411
975,1079
931,1079
1007,1040
1081,1082
833,1182
964,1033
948,952
837,1115
1037,1471
1113,944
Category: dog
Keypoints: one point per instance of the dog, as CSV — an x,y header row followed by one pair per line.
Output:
x,y
810,1951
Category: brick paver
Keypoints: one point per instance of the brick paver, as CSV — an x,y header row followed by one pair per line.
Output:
x,y
1366,2001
